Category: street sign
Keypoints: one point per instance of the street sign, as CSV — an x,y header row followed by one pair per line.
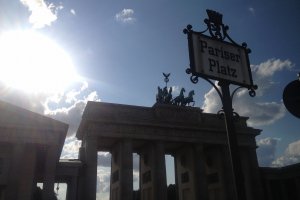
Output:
x,y
219,60
214,58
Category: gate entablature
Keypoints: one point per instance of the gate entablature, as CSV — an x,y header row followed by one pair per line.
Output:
x,y
168,123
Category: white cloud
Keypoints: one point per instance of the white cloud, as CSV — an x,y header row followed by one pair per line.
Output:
x,y
62,190
268,68
212,102
71,148
103,183
290,156
252,10
260,112
42,13
266,151
125,16
176,90
136,162
73,12
70,106
104,159
136,179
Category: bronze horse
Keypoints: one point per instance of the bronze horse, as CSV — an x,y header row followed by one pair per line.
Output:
x,y
179,99
189,99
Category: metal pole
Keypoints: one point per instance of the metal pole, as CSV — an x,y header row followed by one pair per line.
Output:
x,y
232,143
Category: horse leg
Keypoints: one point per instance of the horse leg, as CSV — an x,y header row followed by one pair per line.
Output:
x,y
174,101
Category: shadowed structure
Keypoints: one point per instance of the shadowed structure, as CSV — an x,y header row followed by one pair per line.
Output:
x,y
196,140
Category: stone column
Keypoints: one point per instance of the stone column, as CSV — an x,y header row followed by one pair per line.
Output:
x,y
227,179
183,173
72,189
176,176
191,173
90,169
200,173
27,175
126,176
121,186
153,179
246,169
297,182
81,172
252,174
49,172
283,189
15,167
159,172
268,191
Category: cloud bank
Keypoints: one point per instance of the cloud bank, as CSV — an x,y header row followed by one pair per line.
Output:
x,y
290,156
68,107
266,153
42,13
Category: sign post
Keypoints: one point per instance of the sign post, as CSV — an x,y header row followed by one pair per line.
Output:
x,y
225,61
232,142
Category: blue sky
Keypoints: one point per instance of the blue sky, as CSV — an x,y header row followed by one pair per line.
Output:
x,y
119,49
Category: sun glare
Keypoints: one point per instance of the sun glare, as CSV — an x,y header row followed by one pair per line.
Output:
x,y
34,63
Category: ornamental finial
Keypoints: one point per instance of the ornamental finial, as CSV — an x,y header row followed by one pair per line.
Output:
x,y
166,78
214,17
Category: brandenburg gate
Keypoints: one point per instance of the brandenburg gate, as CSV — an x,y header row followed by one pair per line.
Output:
x,y
196,140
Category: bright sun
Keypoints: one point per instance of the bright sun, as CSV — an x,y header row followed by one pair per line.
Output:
x,y
34,63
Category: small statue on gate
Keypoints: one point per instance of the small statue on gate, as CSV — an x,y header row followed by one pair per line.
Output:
x,y
164,95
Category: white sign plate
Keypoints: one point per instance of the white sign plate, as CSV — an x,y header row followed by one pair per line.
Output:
x,y
219,60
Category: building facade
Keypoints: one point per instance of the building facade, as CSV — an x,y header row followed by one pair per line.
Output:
x,y
281,183
30,147
31,144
